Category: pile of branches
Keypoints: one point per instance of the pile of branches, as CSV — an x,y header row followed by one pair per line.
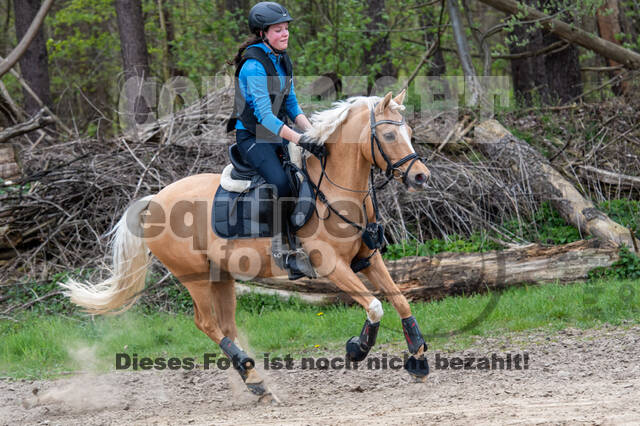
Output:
x,y
595,146
57,216
463,196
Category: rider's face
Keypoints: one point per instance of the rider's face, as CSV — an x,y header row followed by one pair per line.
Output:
x,y
278,35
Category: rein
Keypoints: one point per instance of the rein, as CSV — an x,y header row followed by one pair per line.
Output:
x,y
373,233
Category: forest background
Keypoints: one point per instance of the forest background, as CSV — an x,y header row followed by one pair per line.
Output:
x,y
80,45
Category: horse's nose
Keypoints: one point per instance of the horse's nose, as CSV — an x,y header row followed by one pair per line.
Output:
x,y
421,179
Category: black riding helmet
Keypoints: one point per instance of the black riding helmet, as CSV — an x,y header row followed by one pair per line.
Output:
x,y
267,13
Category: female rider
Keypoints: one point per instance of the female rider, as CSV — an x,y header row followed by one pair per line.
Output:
x,y
264,101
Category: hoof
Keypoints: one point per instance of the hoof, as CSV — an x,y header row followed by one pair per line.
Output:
x,y
269,399
354,350
420,379
254,382
257,388
417,367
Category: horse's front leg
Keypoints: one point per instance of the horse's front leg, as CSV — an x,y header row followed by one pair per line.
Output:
x,y
358,347
379,276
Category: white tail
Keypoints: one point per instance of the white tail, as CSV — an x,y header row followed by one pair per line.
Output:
x,y
130,263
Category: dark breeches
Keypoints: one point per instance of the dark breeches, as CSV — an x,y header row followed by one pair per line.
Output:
x,y
264,157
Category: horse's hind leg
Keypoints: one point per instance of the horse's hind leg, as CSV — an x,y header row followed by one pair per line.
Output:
x,y
224,305
220,327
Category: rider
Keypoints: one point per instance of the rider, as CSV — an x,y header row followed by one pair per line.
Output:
x,y
265,100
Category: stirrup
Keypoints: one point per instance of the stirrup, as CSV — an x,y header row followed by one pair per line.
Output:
x,y
299,265
278,250
296,262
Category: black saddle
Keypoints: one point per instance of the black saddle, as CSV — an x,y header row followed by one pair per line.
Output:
x,y
252,213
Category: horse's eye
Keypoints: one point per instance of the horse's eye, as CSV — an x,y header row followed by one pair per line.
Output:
x,y
390,136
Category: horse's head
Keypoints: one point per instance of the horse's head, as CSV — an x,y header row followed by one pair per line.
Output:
x,y
387,143
373,129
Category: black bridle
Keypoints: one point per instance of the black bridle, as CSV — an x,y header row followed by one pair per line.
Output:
x,y
391,167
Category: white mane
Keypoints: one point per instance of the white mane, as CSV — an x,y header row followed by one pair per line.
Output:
x,y
324,123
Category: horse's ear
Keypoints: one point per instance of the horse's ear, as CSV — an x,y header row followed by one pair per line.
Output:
x,y
384,103
400,98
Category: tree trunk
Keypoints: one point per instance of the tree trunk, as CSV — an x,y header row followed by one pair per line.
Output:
x,y
570,33
497,143
135,58
551,77
426,278
472,84
171,37
528,74
608,18
563,71
377,54
163,15
4,34
34,64
308,9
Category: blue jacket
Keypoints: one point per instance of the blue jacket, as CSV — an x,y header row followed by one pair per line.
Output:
x,y
253,85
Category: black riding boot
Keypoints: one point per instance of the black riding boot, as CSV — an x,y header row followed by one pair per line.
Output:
x,y
285,247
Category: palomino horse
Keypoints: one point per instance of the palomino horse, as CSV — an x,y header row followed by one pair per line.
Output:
x,y
358,133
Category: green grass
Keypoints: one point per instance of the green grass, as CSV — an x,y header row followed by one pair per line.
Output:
x,y
476,242
45,345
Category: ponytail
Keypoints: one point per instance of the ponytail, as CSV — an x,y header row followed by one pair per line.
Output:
x,y
252,39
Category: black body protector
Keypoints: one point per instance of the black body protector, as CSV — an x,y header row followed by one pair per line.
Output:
x,y
244,112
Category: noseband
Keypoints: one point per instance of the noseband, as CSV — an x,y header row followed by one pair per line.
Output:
x,y
391,167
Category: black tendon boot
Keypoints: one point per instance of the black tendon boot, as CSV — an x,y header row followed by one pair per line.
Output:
x,y
358,347
416,366
285,247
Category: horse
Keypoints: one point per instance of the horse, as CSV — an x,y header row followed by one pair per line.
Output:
x,y
174,225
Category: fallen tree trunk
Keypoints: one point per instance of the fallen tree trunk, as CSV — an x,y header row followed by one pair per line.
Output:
x,y
426,278
498,143
309,298
571,33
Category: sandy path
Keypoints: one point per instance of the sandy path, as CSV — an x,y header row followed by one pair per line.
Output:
x,y
574,376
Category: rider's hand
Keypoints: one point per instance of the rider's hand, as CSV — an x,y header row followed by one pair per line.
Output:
x,y
313,145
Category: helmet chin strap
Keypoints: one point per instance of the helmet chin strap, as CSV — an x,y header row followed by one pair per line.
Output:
x,y
264,40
